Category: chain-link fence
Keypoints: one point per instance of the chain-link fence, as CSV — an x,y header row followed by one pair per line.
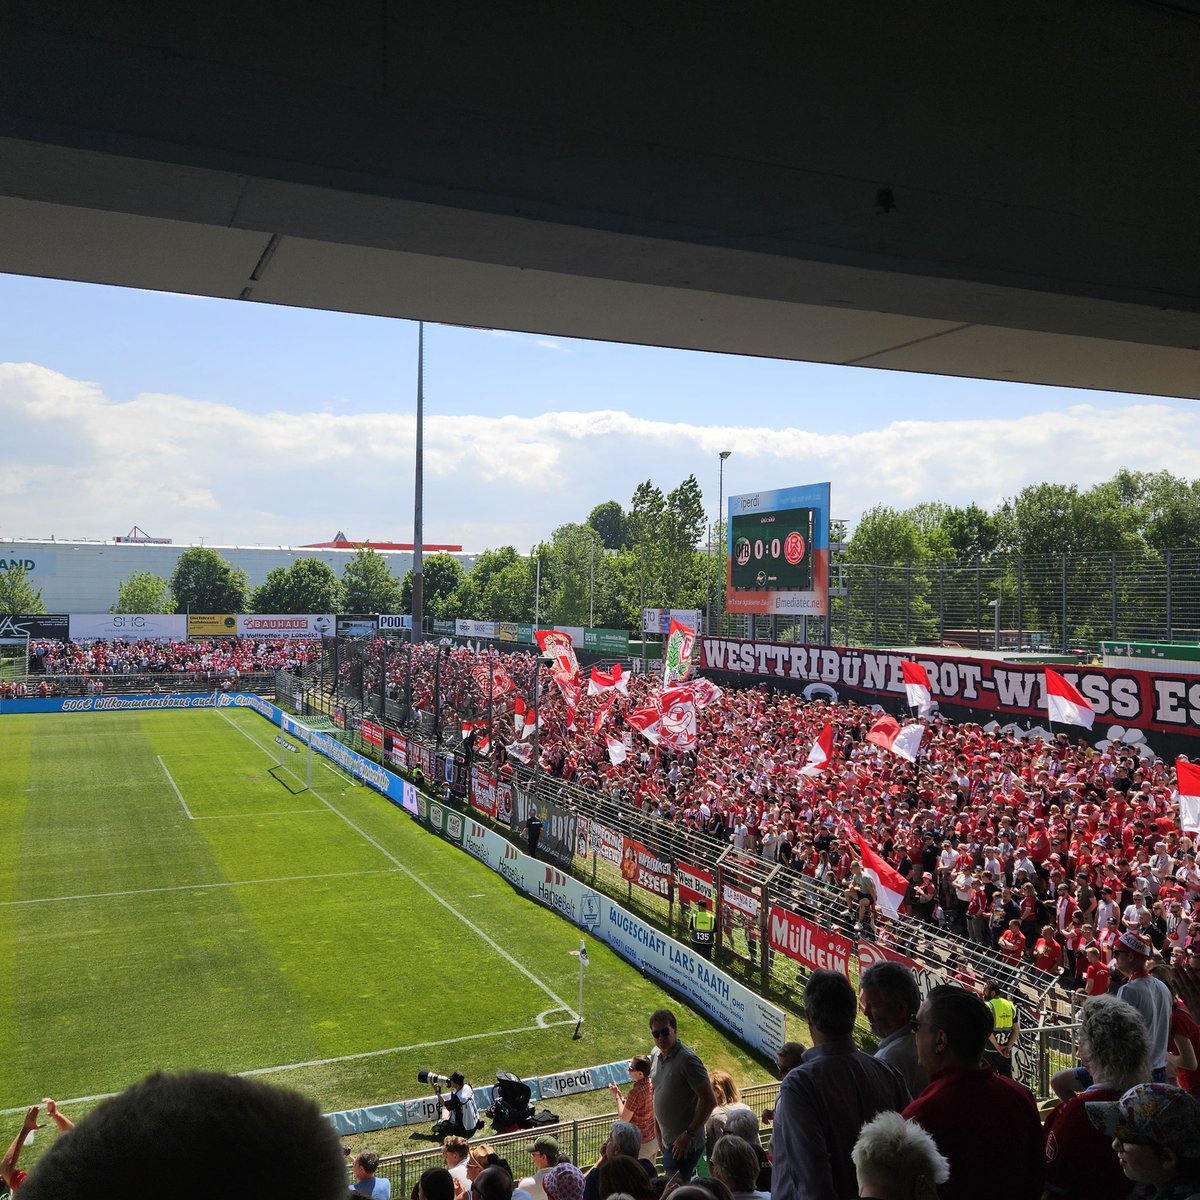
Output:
x,y
1060,603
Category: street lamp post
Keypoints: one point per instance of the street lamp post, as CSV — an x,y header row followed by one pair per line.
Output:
x,y
994,605
724,454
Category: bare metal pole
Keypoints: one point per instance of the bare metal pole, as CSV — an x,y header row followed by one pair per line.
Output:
x,y
418,584
724,454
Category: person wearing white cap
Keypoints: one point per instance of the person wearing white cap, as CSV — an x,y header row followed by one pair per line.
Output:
x,y
1151,997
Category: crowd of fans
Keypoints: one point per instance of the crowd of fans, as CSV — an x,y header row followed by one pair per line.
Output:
x,y
1038,849
230,657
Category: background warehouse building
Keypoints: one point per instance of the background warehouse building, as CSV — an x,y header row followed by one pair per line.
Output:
x,y
82,575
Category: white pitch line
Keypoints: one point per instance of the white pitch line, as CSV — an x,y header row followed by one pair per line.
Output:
x,y
249,816
325,1062
362,833
175,787
197,887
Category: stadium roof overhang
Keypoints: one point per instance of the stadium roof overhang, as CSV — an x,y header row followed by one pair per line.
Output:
x,y
964,193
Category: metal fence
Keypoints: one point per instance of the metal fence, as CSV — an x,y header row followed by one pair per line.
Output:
x,y
1059,603
581,1140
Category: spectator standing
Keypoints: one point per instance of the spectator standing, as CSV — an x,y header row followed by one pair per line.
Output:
x,y
683,1096
366,1183
637,1107
824,1102
896,1159
890,999
1156,1133
1114,1048
952,1028
729,1103
1150,996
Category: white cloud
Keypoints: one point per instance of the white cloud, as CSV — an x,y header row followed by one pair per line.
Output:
x,y
82,464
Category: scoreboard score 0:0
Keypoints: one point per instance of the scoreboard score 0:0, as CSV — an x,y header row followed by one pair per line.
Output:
x,y
772,551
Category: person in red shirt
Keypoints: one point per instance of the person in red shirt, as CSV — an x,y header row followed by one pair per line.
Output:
x,y
1012,943
1047,953
1095,976
1114,1047
966,1101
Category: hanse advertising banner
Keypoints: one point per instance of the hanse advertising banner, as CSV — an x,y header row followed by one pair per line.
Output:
x,y
130,627
815,948
1151,700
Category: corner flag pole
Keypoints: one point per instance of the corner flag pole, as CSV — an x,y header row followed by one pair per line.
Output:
x,y
582,955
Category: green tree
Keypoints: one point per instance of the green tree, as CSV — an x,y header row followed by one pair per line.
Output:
x,y
143,592
17,594
442,575
497,588
576,577
609,521
646,513
307,586
682,531
203,582
370,587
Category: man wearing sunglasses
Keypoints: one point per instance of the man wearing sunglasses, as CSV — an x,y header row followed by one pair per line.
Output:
x,y
683,1096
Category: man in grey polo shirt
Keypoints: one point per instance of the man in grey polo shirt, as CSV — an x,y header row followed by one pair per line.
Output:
x,y
683,1096
890,999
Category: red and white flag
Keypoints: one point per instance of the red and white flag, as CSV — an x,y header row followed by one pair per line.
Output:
x,y
525,720
677,726
521,751
647,722
603,681
559,648
821,752
1188,775
483,745
902,741
705,691
1065,703
616,750
916,688
602,712
890,885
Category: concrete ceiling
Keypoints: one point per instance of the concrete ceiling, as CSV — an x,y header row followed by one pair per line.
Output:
x,y
984,194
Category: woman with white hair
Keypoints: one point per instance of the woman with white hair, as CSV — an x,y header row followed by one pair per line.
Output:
x,y
896,1159
1114,1047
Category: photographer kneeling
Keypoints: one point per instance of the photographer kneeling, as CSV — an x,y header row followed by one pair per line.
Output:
x,y
460,1114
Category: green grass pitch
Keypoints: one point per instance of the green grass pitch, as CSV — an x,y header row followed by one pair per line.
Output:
x,y
166,903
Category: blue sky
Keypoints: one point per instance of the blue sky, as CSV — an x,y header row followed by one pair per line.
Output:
x,y
244,423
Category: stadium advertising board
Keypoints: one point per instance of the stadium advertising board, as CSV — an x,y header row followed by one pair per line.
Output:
x,y
440,625
1150,700
658,620
208,625
722,998
390,623
475,629
19,626
777,552
360,626
615,641
645,869
448,822
807,943
131,627
693,884
558,825
287,625
511,631
93,704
